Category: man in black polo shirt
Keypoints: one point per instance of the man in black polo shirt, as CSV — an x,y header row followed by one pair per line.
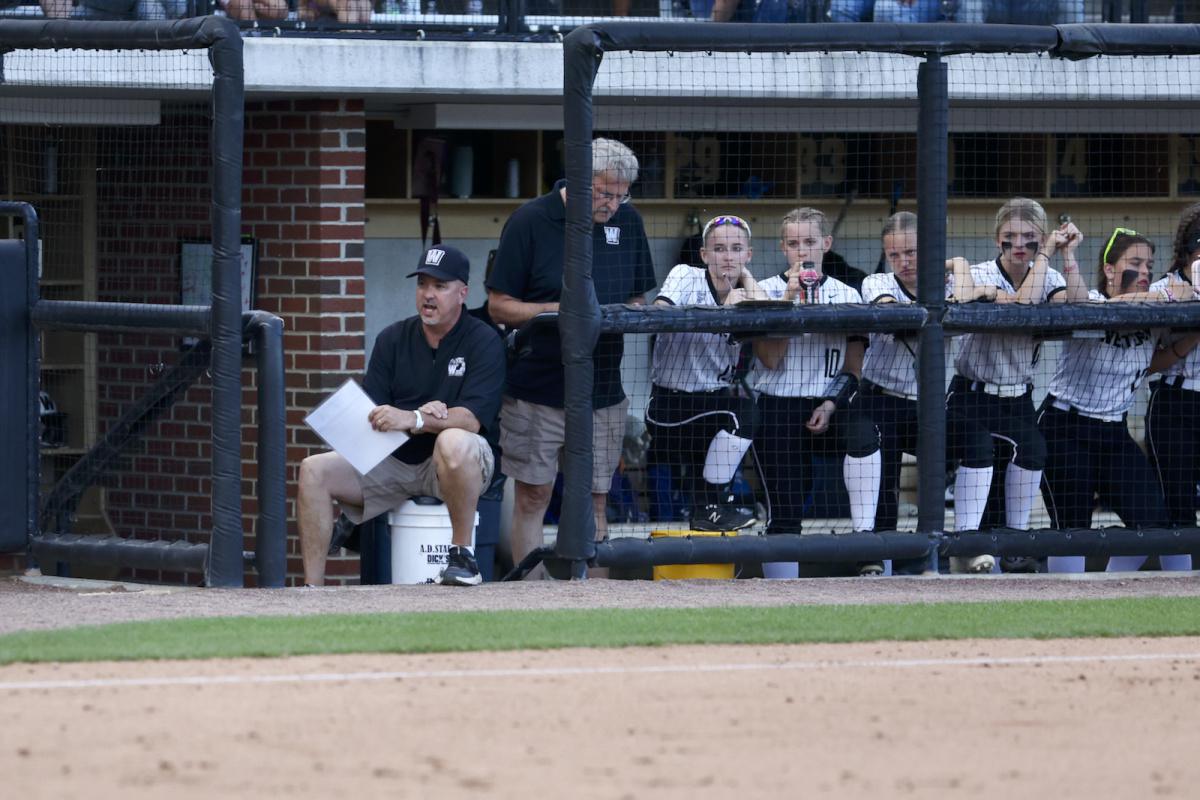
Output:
x,y
526,280
438,376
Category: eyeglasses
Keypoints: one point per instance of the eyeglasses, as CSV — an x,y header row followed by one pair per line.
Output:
x,y
608,197
728,219
1031,246
1116,232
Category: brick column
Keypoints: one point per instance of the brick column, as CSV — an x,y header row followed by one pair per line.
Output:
x,y
305,165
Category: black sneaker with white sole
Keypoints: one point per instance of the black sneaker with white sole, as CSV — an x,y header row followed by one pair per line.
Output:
x,y
715,517
1016,564
461,569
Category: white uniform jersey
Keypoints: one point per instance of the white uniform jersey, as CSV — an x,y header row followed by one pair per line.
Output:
x,y
1099,376
692,362
891,360
1186,367
812,359
1002,358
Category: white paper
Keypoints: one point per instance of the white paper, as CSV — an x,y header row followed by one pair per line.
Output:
x,y
341,420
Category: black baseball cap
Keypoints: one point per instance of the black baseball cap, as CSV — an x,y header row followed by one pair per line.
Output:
x,y
445,263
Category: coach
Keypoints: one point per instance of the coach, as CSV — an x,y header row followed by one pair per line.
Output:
x,y
437,376
527,280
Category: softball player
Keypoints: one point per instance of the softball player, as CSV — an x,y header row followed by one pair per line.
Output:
x,y
990,395
805,385
888,391
1173,418
1089,448
696,417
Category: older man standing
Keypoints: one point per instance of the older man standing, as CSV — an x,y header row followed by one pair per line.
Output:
x,y
437,376
526,280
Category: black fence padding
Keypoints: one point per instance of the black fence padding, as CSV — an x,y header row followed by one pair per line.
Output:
x,y
193,32
77,315
1085,41
14,399
934,37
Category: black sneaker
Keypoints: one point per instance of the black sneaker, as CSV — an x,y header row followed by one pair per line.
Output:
x,y
713,517
1017,564
343,530
461,569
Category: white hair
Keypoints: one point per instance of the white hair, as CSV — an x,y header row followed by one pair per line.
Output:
x,y
609,155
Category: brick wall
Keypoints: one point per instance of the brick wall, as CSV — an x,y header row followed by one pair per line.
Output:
x,y
303,189
304,175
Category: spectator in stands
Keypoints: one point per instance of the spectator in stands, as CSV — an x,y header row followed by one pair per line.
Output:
x,y
886,11
888,391
255,10
1173,417
1089,448
436,376
527,281
697,418
760,10
991,394
346,12
117,9
805,385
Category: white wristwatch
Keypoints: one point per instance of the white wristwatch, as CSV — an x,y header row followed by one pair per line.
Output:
x,y
420,420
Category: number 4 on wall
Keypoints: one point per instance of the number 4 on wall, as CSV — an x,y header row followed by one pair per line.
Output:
x,y
1071,166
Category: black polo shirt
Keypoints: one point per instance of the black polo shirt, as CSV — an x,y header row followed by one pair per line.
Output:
x,y
529,267
467,369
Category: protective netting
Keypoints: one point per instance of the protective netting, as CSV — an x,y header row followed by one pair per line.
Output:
x,y
121,183
771,179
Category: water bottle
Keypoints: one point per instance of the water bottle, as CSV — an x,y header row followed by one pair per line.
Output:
x,y
810,282
512,182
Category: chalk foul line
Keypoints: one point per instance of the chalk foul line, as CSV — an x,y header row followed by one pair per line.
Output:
x,y
554,672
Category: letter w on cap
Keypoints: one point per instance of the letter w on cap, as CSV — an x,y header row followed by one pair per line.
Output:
x,y
434,257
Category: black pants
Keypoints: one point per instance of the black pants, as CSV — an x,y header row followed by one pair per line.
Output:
x,y
786,449
974,418
1173,439
1086,457
896,420
681,426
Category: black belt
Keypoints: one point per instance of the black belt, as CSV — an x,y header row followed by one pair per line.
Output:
x,y
725,391
875,388
1062,406
1178,382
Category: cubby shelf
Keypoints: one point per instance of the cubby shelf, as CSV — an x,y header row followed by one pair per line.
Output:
x,y
55,171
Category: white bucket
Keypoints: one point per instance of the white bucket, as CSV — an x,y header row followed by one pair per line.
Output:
x,y
421,537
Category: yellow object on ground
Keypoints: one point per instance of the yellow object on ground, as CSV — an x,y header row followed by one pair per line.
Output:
x,y
686,572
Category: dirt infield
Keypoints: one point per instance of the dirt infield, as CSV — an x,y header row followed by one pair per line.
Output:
x,y
985,719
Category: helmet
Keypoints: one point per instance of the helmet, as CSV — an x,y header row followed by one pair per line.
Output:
x,y
53,429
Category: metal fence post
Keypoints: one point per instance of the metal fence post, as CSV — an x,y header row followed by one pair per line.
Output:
x,y
932,165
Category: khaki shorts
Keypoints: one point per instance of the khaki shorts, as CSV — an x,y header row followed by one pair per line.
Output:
x,y
393,482
532,435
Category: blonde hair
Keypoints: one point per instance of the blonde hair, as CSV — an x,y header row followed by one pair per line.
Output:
x,y
805,214
609,155
1024,210
899,222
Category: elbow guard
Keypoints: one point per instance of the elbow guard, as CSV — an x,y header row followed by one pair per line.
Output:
x,y
841,389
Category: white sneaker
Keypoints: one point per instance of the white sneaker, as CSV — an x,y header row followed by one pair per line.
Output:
x,y
979,565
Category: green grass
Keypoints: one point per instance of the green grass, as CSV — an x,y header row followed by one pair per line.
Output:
x,y
229,637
